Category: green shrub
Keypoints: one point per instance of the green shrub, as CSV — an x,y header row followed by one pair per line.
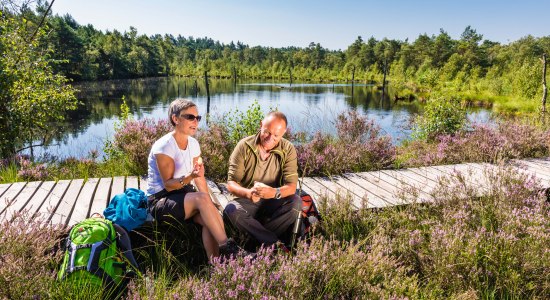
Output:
x,y
440,116
242,124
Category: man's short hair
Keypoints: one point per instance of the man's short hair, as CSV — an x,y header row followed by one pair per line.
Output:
x,y
277,114
177,106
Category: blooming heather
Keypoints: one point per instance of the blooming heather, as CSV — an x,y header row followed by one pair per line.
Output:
x,y
27,259
136,137
482,143
358,146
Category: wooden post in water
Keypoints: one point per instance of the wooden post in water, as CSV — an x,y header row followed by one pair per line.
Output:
x,y
234,76
290,72
352,80
207,93
384,80
196,88
544,90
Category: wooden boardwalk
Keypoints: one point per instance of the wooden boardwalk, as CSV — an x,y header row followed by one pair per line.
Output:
x,y
69,201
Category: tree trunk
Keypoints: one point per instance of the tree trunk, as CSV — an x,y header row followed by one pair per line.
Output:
x,y
544,90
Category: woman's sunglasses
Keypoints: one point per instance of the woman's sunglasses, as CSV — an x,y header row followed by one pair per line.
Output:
x,y
191,117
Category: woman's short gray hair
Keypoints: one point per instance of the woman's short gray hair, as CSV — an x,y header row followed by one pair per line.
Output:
x,y
177,106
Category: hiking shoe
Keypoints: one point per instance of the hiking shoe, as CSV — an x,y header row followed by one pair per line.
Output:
x,y
231,250
280,247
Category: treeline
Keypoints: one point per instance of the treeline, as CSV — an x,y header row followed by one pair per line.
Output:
x,y
466,67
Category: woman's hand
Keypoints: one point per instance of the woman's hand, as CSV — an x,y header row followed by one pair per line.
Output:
x,y
198,170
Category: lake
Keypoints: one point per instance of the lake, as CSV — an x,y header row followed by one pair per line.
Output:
x,y
309,107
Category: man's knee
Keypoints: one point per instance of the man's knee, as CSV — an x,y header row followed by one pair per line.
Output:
x,y
296,202
230,209
233,210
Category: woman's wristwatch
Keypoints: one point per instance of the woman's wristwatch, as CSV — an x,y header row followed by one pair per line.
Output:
x,y
181,180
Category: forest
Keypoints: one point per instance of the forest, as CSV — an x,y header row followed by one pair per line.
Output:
x,y
468,67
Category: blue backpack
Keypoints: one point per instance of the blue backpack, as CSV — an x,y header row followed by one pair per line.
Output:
x,y
128,210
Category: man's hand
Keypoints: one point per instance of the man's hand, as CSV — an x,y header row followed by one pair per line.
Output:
x,y
264,190
254,196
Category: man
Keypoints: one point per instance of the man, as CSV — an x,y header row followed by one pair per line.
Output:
x,y
263,174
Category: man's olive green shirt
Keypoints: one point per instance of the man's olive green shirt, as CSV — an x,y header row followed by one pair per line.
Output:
x,y
244,161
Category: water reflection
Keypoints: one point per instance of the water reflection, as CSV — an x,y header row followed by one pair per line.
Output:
x,y
309,107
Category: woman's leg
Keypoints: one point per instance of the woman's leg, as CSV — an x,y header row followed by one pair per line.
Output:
x,y
200,203
209,242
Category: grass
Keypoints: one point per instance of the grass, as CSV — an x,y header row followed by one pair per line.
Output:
x,y
460,246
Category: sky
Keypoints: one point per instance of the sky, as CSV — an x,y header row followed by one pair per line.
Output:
x,y
333,24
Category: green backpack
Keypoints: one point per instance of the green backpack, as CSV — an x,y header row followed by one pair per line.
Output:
x,y
92,259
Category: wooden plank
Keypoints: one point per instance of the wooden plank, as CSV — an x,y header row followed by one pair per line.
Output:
x,y
530,170
9,196
117,187
437,173
424,172
65,208
419,187
368,199
143,185
440,171
385,196
491,170
537,168
4,187
519,166
544,160
401,189
83,202
430,173
540,166
339,190
473,177
132,182
420,179
544,163
480,166
314,194
39,196
21,200
383,182
101,196
317,189
53,199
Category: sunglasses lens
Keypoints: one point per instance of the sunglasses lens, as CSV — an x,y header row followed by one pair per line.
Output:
x,y
191,117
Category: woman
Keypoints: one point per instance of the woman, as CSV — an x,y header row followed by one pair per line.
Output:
x,y
173,163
